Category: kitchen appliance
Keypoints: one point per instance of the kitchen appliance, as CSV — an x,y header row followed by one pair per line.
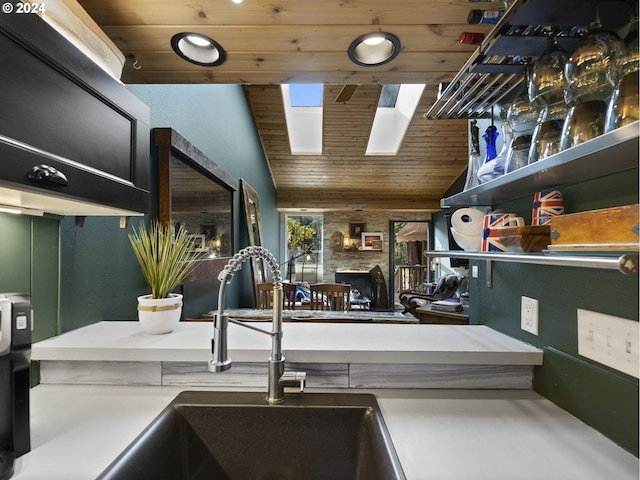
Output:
x,y
15,354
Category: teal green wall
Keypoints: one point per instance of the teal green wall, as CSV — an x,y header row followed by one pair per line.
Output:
x,y
217,119
600,396
100,276
29,263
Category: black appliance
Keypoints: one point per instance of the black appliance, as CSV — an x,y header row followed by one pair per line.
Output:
x,y
15,355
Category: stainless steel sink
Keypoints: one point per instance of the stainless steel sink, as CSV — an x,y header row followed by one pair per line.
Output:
x,y
239,436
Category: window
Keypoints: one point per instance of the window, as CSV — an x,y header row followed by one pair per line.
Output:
x,y
304,248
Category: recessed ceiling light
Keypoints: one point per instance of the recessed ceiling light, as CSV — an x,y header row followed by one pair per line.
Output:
x,y
377,40
198,49
236,1
374,49
198,41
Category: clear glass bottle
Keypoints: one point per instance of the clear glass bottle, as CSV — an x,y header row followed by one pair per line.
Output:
x,y
546,140
518,156
475,159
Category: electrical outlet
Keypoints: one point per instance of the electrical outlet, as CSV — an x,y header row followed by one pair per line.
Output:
x,y
529,315
612,341
474,271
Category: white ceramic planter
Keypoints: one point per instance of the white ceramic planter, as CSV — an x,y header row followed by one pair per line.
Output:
x,y
159,315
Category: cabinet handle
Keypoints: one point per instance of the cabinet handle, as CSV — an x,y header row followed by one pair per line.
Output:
x,y
47,174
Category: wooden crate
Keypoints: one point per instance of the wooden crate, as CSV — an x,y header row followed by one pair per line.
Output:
x,y
526,238
613,228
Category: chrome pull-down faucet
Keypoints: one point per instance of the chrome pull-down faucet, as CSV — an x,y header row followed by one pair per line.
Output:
x,y
278,379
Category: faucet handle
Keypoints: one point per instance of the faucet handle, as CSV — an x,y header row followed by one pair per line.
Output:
x,y
293,382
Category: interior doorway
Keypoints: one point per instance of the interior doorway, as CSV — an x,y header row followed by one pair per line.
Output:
x,y
409,269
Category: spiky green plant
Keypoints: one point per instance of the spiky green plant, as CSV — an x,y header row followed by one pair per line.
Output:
x,y
165,260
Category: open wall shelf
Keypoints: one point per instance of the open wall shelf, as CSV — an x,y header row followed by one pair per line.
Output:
x,y
612,152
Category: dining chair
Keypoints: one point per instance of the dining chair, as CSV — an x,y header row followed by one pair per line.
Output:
x,y
289,293
265,295
330,296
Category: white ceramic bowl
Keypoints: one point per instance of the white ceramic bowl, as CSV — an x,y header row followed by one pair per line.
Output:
x,y
467,221
468,243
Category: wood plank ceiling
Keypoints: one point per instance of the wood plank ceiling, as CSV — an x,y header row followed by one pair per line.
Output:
x,y
302,41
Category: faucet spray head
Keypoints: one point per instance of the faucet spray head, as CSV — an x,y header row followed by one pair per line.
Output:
x,y
219,361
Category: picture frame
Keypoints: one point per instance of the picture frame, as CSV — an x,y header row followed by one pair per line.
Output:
x,y
372,240
198,242
356,230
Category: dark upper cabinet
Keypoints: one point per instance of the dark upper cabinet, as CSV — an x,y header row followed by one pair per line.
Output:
x,y
68,130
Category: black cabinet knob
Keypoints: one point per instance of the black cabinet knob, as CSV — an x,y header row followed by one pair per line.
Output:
x,y
47,174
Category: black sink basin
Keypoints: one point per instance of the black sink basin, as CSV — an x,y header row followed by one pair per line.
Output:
x,y
239,436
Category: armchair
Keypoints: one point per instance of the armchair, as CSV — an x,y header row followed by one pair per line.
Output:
x,y
446,287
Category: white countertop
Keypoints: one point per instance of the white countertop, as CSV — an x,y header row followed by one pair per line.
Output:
x,y
302,342
77,431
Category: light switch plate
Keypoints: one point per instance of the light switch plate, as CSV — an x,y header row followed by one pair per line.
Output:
x,y
610,340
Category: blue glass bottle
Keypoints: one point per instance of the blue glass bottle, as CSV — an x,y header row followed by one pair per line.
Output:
x,y
491,168
490,136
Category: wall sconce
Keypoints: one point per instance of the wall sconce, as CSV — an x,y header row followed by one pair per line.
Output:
x,y
374,49
198,49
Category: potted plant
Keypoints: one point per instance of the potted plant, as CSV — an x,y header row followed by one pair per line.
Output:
x,y
166,257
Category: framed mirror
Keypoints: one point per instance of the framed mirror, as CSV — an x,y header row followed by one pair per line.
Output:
x,y
195,192
254,235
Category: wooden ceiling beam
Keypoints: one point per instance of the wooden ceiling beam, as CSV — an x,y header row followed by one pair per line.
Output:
x,y
263,12
284,62
191,74
292,38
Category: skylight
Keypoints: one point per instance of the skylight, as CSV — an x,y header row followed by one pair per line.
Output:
x,y
303,112
305,95
391,122
389,95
